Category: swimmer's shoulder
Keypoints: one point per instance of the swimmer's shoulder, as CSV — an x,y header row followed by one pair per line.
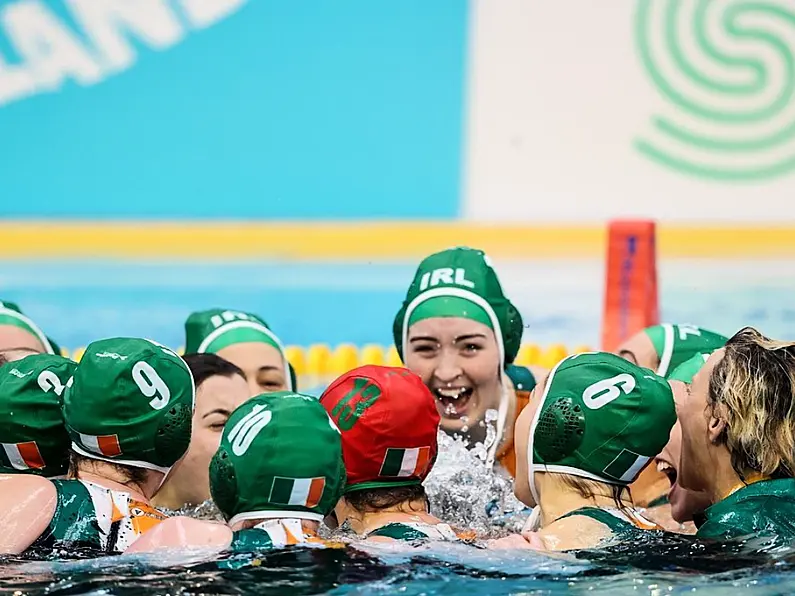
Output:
x,y
27,506
574,532
183,532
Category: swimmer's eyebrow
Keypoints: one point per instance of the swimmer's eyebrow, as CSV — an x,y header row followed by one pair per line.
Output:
x,y
628,355
469,336
268,368
422,338
221,411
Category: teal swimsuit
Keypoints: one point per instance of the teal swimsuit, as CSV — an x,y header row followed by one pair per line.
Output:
x,y
621,528
88,515
765,508
416,532
272,533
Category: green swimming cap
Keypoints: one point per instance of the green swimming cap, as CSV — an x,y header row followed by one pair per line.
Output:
x,y
215,329
460,282
131,403
280,456
688,369
676,343
11,314
32,429
602,418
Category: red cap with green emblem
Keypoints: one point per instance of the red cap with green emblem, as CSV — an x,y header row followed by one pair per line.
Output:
x,y
389,424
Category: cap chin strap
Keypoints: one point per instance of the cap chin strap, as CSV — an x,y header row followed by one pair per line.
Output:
x,y
275,515
668,349
531,465
502,418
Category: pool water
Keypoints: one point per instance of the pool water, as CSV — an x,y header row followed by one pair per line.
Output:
x,y
560,301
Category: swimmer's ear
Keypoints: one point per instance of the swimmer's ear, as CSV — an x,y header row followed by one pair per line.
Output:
x,y
716,430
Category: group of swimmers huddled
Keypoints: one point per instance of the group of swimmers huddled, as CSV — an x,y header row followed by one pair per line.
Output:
x,y
680,430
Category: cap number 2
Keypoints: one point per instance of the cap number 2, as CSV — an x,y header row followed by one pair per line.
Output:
x,y
603,392
151,384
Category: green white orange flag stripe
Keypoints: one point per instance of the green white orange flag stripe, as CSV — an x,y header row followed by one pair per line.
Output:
x,y
24,456
107,445
300,492
405,463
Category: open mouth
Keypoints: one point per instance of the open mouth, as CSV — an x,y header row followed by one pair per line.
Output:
x,y
454,400
667,469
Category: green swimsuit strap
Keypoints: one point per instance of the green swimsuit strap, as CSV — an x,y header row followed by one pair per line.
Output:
x,y
398,531
616,525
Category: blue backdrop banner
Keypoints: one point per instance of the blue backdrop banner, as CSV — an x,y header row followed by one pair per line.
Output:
x,y
270,109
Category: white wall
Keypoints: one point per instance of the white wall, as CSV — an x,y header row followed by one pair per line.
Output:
x,y
559,98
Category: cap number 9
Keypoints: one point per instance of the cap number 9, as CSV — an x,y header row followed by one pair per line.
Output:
x,y
151,385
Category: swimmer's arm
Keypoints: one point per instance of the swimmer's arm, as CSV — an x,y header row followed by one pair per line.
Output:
x,y
183,532
528,540
27,505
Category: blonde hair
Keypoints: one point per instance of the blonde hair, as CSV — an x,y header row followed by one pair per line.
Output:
x,y
755,384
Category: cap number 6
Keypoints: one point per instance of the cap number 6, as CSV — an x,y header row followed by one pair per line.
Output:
x,y
603,392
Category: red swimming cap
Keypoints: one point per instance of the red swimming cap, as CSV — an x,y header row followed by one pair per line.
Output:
x,y
389,424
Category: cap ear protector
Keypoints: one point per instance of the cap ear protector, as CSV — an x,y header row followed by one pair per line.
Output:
x,y
507,314
173,434
560,429
224,493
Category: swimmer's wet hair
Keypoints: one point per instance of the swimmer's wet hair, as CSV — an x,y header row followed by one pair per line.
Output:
x,y
752,388
589,489
131,475
377,499
204,366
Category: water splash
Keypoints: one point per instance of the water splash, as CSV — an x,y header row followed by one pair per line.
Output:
x,y
467,493
207,511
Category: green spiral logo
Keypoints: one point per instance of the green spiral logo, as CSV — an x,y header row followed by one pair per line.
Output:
x,y
726,72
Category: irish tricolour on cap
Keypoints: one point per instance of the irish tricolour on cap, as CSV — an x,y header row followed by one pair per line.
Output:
x,y
280,457
131,402
389,425
600,417
33,438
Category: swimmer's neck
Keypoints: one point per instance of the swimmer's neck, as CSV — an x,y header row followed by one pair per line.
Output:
x,y
308,526
556,501
368,521
107,476
170,497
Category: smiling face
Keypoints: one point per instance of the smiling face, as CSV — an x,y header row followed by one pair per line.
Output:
x,y
684,503
700,430
262,364
640,350
459,360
